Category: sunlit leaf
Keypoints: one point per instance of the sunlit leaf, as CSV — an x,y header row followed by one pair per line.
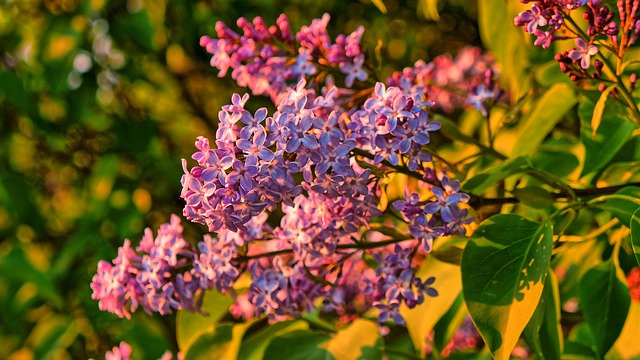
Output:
x,y
449,323
429,9
380,5
546,114
626,346
213,344
222,342
299,345
605,302
421,319
504,266
598,110
190,325
357,341
253,346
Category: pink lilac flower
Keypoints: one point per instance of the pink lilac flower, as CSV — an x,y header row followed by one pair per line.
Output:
x,y
123,352
120,352
444,79
269,59
164,273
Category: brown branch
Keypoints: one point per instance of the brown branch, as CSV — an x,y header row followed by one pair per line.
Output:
x,y
478,201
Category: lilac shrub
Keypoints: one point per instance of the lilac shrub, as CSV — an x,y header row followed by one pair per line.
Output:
x,y
299,220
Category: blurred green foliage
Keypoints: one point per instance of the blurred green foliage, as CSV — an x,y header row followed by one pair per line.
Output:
x,y
99,100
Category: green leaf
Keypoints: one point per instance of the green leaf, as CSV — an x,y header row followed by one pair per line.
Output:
x,y
579,345
211,345
223,342
504,266
534,196
16,265
613,132
546,114
598,111
357,341
623,204
559,162
421,319
605,302
543,332
49,335
191,325
635,234
549,74
299,345
482,181
620,173
136,27
253,346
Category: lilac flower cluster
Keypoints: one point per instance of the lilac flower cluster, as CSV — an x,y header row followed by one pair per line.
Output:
x,y
164,273
446,80
267,59
317,160
546,19
423,225
395,283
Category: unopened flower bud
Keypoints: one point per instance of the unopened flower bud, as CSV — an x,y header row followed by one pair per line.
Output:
x,y
602,87
598,66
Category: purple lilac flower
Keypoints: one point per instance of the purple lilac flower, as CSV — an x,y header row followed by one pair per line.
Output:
x,y
545,18
397,284
309,160
583,53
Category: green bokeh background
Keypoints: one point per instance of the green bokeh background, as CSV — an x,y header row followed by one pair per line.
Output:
x,y
99,101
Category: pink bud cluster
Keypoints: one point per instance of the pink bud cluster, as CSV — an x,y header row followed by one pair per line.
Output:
x,y
268,59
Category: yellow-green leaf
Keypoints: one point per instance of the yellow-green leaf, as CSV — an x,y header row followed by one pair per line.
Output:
x,y
598,111
190,325
421,319
504,267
